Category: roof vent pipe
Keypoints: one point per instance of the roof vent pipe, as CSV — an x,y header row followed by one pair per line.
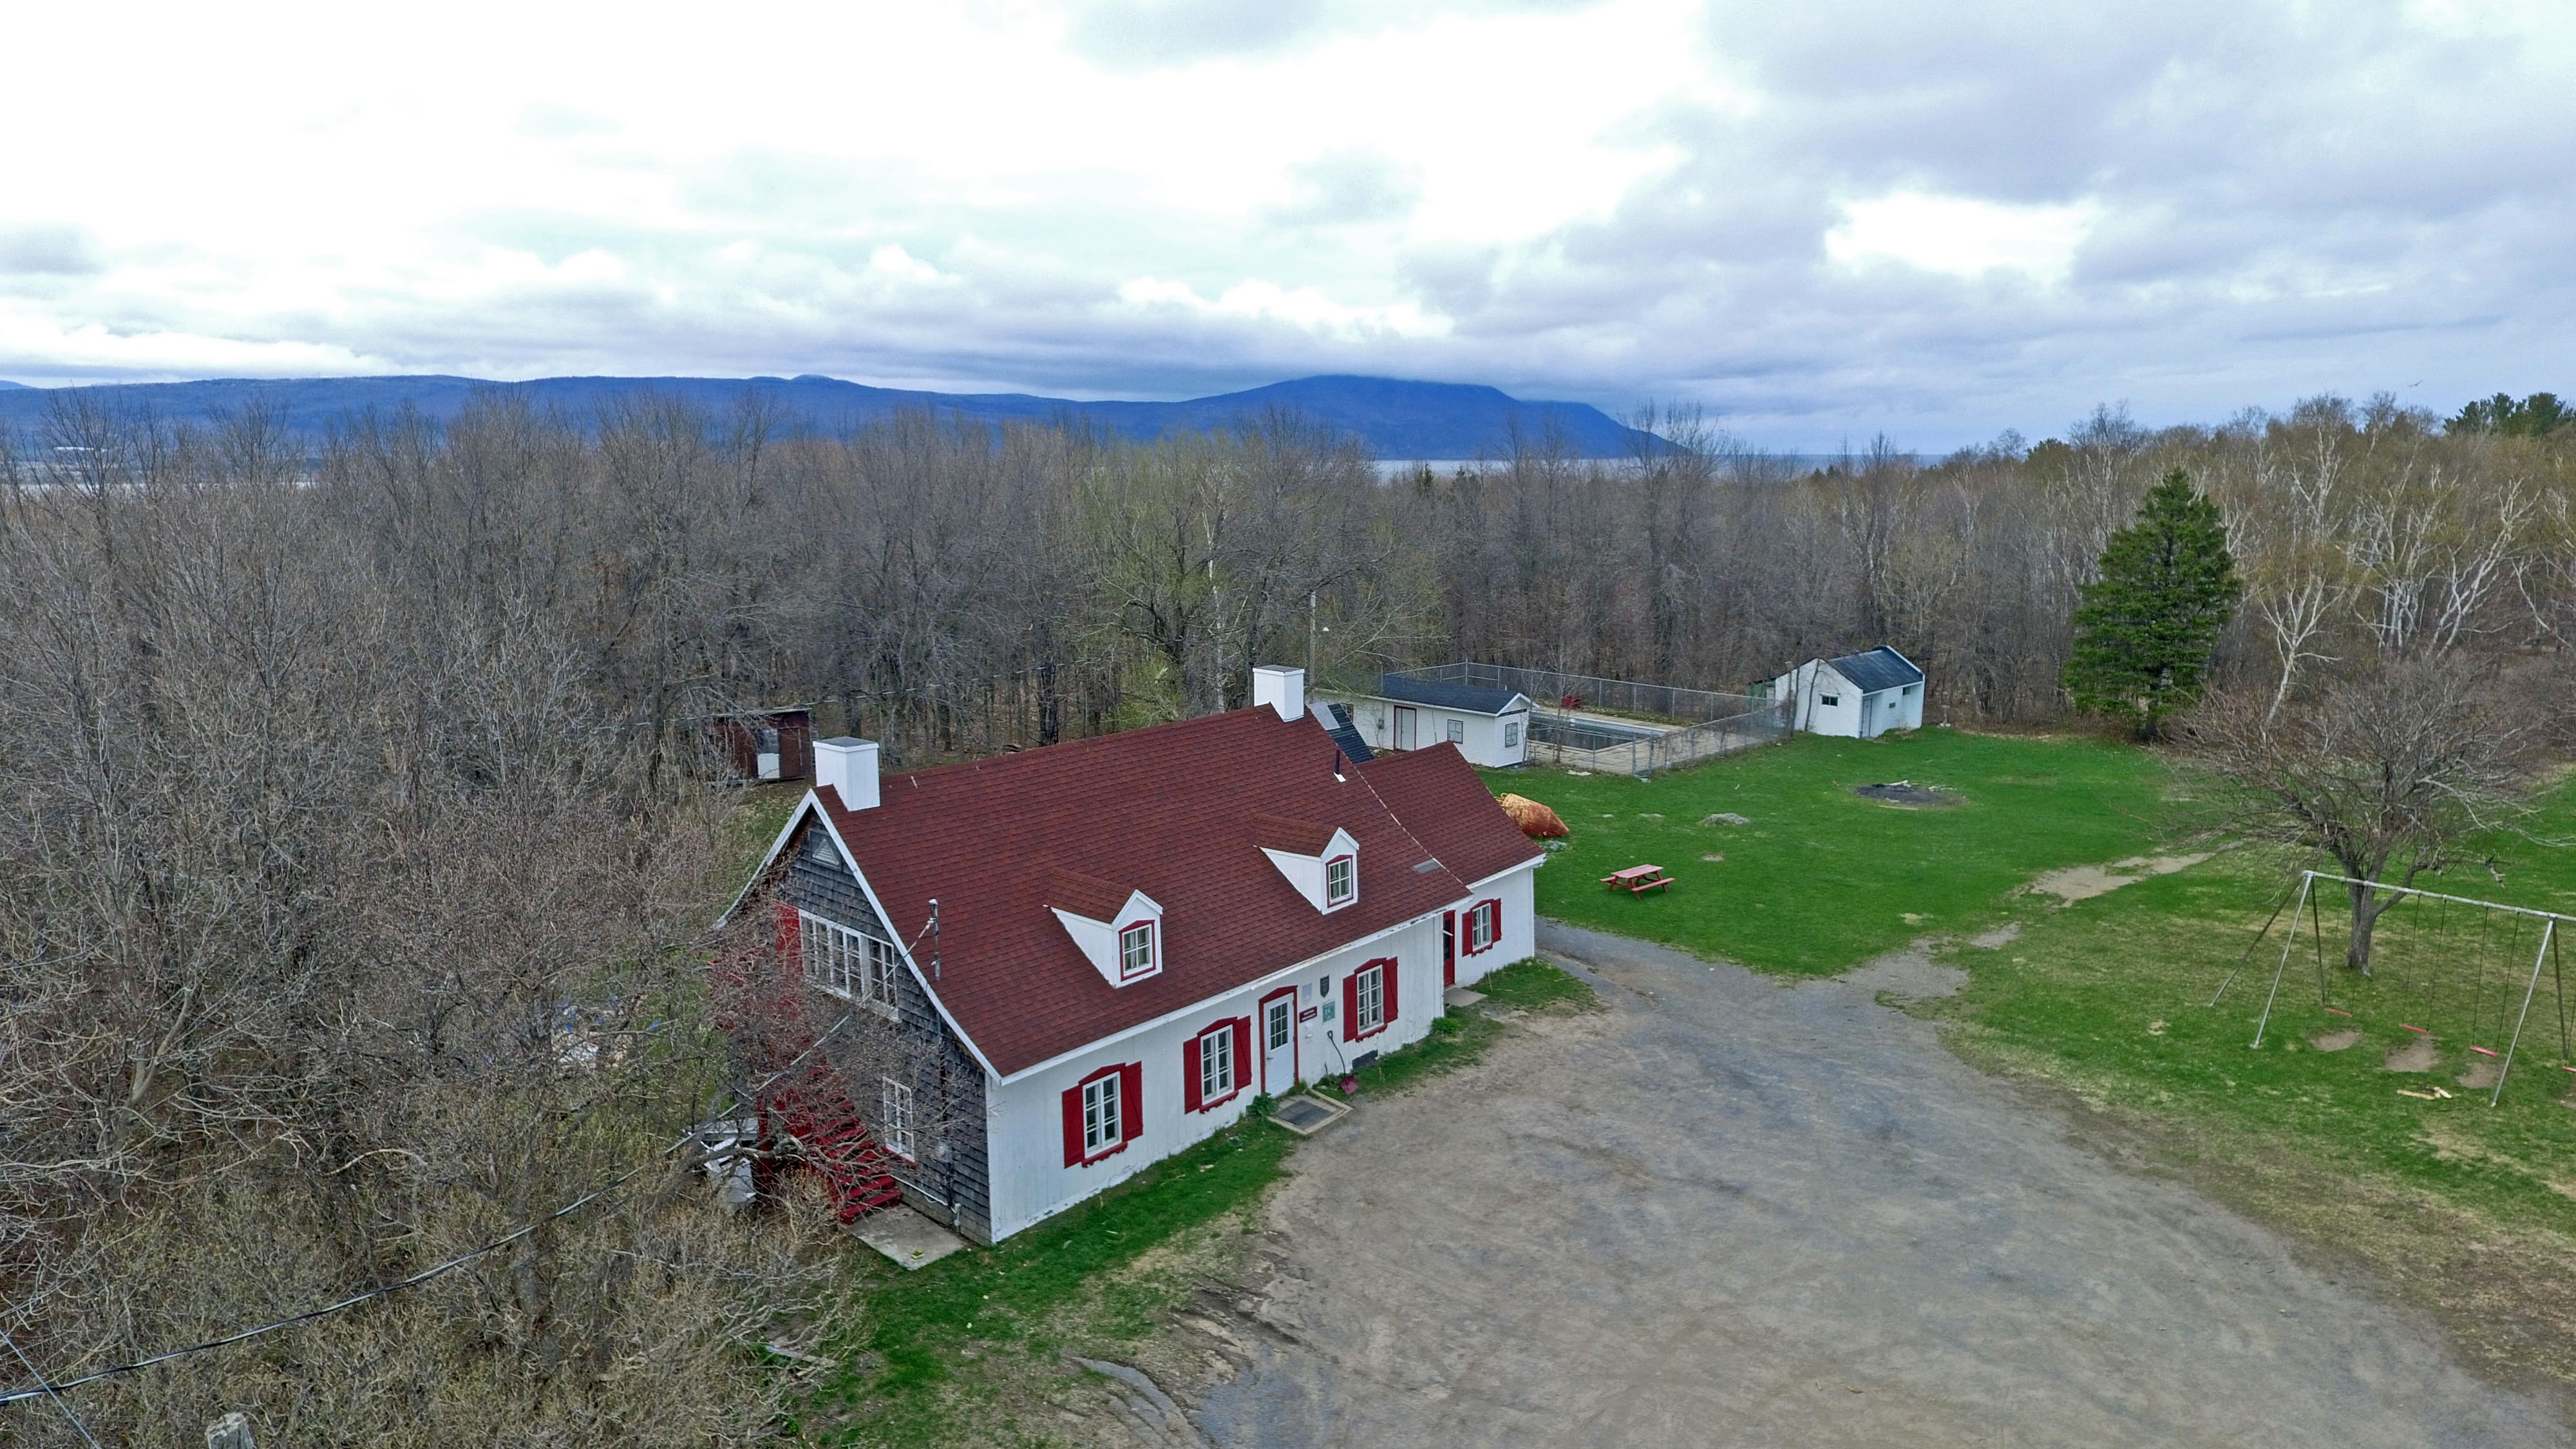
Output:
x,y
1281,687
849,766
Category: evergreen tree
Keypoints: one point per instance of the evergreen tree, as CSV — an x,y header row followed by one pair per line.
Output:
x,y
2144,630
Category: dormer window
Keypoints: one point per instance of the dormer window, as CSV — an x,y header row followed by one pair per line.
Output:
x,y
1136,951
1341,881
1320,862
1118,929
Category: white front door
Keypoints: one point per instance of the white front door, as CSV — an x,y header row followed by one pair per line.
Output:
x,y
1403,728
1279,1042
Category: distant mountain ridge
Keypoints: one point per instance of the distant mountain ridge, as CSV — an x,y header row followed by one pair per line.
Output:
x,y
1392,418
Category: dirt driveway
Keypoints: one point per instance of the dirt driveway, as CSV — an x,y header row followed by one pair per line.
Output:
x,y
1728,1211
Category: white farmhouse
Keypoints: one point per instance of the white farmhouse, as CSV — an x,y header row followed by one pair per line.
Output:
x,y
1489,726
1103,951
1859,695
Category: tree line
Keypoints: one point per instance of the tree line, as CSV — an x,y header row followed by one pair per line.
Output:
x,y
358,863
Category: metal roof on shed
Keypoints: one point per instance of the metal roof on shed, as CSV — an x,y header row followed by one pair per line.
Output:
x,y
1441,695
1880,668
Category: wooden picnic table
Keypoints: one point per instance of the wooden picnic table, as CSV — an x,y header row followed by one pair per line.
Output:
x,y
1636,880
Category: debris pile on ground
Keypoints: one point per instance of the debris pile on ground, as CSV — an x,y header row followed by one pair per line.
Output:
x,y
1535,820
1724,817
1906,792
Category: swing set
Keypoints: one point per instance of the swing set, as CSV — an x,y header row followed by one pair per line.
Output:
x,y
2419,980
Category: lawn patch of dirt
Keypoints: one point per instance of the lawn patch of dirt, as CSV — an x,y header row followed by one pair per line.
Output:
x,y
2335,1041
2083,882
2415,1056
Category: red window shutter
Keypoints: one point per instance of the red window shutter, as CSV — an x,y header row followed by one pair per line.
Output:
x,y
1190,1073
1386,983
1493,923
1131,1101
1242,1050
1351,1007
791,944
1073,1126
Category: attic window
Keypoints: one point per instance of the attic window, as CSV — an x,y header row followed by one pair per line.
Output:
x,y
1341,881
1136,950
1829,701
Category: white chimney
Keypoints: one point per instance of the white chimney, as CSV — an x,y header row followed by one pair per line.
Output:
x,y
1281,688
849,766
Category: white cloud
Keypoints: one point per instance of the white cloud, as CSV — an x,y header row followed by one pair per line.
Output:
x,y
1960,236
1836,216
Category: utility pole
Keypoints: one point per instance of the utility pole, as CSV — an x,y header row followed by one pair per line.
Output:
x,y
1310,638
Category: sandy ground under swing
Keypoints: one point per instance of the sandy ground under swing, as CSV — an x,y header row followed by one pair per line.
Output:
x,y
1734,1210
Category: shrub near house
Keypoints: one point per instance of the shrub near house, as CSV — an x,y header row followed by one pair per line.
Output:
x,y
1136,936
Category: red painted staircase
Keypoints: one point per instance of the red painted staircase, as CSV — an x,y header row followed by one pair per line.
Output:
x,y
812,1117
806,1116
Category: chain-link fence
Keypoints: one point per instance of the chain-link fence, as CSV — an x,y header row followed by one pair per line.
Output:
x,y
1587,722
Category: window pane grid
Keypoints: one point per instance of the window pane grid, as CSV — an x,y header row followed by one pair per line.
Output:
x,y
847,963
1099,1114
1216,1063
1372,998
1136,949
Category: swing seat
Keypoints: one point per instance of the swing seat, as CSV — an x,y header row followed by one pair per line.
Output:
x,y
2339,1011
2482,1051
2410,1026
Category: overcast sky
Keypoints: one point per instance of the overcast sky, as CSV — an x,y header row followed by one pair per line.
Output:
x,y
1818,220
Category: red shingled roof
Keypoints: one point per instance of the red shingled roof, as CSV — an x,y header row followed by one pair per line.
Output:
x,y
1173,811
1425,789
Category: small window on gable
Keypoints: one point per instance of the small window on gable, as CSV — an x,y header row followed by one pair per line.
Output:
x,y
848,964
1341,881
1829,701
1136,950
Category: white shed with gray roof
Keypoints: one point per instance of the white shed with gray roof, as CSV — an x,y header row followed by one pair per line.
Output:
x,y
1857,695
1489,726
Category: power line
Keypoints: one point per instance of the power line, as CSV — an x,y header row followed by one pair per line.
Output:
x,y
46,1388
415,1280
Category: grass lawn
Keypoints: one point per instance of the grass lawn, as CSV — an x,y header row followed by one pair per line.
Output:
x,y
2467,1208
967,1349
1822,878
2470,1208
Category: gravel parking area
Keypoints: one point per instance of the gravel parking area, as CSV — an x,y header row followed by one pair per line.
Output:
x,y
1730,1210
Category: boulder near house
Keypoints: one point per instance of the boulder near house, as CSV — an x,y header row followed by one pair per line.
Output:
x,y
1489,726
1860,695
1103,951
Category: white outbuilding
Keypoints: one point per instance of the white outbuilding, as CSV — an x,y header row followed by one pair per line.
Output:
x,y
1858,695
1489,726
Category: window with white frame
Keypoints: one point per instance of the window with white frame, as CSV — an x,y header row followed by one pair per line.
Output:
x,y
1136,949
1216,1062
1100,1115
1341,881
1829,701
1511,734
1369,1009
894,1117
1481,920
847,963
1457,732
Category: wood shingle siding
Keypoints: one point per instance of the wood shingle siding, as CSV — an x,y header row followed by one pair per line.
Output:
x,y
947,1085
